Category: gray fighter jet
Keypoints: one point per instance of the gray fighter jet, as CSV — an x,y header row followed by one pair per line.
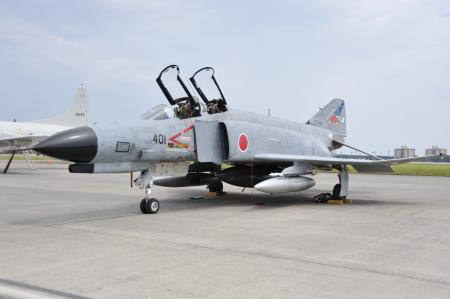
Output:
x,y
266,153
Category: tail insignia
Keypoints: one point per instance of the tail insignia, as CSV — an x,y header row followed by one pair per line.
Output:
x,y
336,117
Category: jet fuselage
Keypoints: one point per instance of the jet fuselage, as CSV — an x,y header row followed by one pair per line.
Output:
x,y
139,144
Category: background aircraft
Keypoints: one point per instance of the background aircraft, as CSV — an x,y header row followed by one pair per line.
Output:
x,y
267,153
22,136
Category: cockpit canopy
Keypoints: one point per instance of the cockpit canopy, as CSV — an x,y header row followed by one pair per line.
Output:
x,y
187,106
213,105
158,112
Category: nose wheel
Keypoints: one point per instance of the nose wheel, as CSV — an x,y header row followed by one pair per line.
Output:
x,y
149,206
145,181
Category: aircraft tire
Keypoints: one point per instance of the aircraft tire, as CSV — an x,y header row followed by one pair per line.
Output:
x,y
336,191
142,206
216,187
152,206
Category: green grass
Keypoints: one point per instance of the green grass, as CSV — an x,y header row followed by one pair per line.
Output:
x,y
426,169
429,169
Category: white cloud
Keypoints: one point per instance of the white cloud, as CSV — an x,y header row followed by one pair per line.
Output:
x,y
39,47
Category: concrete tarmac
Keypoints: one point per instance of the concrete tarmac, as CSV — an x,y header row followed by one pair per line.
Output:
x,y
82,236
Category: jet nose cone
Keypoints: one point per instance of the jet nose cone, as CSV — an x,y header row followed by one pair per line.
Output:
x,y
77,145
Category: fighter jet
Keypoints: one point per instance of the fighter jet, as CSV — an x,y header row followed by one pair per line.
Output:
x,y
269,154
21,136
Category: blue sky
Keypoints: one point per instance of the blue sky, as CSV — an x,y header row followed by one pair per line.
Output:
x,y
389,60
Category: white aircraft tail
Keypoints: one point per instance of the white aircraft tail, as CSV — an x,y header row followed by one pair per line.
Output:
x,y
76,116
331,117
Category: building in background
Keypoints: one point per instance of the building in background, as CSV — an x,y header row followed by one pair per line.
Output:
x,y
435,150
404,152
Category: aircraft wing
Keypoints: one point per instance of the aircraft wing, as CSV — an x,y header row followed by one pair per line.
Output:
x,y
20,142
359,164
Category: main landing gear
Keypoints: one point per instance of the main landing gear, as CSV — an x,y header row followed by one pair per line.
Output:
x,y
340,191
216,187
145,181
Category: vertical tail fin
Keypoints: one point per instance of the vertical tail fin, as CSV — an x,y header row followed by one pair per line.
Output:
x,y
331,117
76,116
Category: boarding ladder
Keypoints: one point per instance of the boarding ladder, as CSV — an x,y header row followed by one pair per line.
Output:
x,y
27,154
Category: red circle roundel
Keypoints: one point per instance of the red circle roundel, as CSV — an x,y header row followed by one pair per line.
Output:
x,y
243,142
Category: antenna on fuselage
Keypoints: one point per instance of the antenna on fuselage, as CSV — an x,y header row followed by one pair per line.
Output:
x,y
187,106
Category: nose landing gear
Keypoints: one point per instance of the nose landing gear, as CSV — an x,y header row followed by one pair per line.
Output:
x,y
145,181
149,206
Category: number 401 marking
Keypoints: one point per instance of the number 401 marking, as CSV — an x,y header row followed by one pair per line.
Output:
x,y
159,139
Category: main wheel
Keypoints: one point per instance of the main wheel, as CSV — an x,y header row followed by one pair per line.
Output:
x,y
142,206
152,206
337,191
216,187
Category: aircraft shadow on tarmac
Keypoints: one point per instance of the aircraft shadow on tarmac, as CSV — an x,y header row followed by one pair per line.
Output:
x,y
259,200
103,207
